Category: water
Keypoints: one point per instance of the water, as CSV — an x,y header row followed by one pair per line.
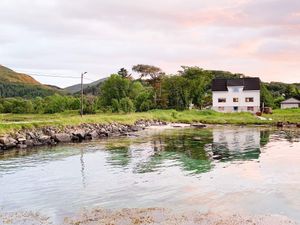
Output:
x,y
240,170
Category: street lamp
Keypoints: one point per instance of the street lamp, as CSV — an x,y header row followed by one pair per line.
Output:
x,y
81,103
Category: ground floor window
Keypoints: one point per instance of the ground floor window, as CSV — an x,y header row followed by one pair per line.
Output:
x,y
221,108
235,108
222,100
250,108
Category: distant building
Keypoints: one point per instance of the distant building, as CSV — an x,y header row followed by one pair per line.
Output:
x,y
236,95
290,103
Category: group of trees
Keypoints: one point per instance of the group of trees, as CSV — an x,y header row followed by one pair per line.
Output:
x,y
275,92
50,104
153,89
156,90
8,90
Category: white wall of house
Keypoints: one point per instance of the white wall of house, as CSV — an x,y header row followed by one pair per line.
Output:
x,y
289,106
241,95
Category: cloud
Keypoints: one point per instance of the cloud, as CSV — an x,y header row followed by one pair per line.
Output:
x,y
253,37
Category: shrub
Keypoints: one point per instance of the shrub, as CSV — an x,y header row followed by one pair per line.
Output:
x,y
115,106
126,105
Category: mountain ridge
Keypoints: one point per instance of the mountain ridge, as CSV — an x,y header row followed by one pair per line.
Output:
x,y
77,87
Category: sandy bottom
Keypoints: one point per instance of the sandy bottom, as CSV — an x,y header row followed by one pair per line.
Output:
x,y
150,216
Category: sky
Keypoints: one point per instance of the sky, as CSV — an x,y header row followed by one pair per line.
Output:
x,y
63,37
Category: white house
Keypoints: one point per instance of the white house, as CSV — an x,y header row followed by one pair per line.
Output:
x,y
290,103
236,95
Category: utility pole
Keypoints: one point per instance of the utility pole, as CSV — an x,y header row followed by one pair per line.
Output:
x,y
81,102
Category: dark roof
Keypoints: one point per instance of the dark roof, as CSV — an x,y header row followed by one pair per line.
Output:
x,y
248,83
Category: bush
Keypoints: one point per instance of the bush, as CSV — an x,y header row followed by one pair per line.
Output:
x,y
90,105
115,106
126,105
145,106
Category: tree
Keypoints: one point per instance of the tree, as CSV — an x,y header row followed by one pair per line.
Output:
x,y
177,91
55,104
124,73
199,82
116,88
156,75
148,70
266,97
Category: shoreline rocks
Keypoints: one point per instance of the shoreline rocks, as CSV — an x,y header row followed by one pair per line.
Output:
x,y
53,135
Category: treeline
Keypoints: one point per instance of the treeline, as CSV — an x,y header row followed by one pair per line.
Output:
x,y
154,89
275,92
25,90
50,104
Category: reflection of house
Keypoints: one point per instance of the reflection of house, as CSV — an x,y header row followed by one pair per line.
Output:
x,y
290,103
236,143
236,95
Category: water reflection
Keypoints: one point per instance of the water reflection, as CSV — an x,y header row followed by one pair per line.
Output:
x,y
196,151
237,144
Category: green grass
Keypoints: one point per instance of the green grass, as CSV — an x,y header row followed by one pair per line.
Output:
x,y
14,122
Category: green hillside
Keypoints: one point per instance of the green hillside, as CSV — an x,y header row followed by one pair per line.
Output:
x,y
13,84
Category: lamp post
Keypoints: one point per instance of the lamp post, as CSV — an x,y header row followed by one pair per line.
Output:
x,y
81,103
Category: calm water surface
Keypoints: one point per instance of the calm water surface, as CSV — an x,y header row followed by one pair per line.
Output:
x,y
239,170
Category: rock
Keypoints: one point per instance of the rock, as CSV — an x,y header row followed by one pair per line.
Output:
x,y
197,138
22,146
30,135
44,138
62,137
36,142
94,134
88,137
198,125
75,138
21,139
79,133
135,128
29,143
279,124
8,142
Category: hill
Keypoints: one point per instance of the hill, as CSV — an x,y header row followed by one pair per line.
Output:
x,y
13,84
91,88
9,76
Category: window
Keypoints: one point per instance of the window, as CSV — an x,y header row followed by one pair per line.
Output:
x,y
249,99
235,99
235,108
222,100
235,89
250,108
221,108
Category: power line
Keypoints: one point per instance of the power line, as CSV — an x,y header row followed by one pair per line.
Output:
x,y
40,75
58,76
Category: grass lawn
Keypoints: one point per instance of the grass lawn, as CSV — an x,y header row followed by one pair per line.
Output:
x,y
13,122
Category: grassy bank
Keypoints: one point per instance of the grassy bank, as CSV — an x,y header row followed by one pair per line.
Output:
x,y
13,122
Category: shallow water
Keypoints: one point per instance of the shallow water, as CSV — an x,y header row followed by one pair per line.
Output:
x,y
224,169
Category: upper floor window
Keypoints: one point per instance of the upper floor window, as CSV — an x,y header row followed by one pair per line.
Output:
x,y
249,99
235,99
221,99
236,89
